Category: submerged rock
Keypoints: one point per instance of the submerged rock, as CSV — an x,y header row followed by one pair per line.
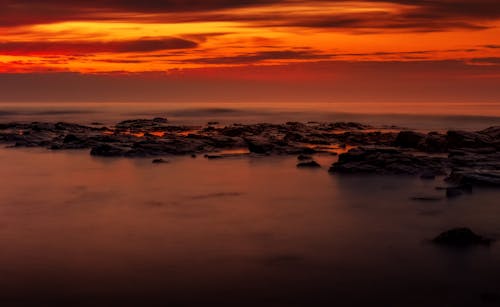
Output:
x,y
213,157
452,192
303,157
427,175
159,161
107,150
311,164
425,198
160,120
461,237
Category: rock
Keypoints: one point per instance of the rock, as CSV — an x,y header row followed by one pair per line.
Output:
x,y
453,192
141,125
461,237
311,164
259,146
303,157
160,120
307,151
425,198
492,132
491,298
71,138
409,139
159,161
107,150
434,143
428,175
213,157
475,177
465,139
348,126
386,161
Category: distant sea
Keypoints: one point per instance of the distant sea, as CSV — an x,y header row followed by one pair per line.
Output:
x,y
422,116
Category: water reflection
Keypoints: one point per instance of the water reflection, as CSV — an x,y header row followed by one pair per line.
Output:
x,y
87,231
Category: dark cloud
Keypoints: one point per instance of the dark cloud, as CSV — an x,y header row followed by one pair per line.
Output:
x,y
261,56
82,47
310,54
425,15
121,61
372,22
487,61
17,12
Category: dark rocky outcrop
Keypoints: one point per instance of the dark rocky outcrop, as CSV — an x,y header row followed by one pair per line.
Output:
x,y
467,139
303,157
308,164
455,191
426,198
461,237
468,158
107,150
473,176
159,161
387,161
409,139
428,175
259,145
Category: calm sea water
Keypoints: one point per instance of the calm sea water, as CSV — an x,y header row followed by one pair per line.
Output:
x,y
426,116
77,230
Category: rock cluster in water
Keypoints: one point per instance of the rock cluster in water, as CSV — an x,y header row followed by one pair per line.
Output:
x,y
466,158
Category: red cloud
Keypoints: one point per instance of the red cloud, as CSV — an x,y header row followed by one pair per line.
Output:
x,y
92,47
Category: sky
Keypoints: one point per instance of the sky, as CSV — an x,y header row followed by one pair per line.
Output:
x,y
242,50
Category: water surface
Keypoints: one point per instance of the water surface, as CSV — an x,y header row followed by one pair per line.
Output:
x,y
77,230
423,116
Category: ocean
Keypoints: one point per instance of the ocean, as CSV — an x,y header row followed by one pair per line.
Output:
x,y
77,230
419,116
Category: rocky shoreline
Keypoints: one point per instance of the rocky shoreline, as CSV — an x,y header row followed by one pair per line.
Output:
x,y
465,158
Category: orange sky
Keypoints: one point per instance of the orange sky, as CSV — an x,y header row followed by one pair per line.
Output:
x,y
231,38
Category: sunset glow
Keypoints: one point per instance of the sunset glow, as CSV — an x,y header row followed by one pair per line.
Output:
x,y
94,39
224,39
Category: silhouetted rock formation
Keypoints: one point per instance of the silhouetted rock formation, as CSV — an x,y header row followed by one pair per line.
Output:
x,y
461,237
159,161
380,160
468,158
308,164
